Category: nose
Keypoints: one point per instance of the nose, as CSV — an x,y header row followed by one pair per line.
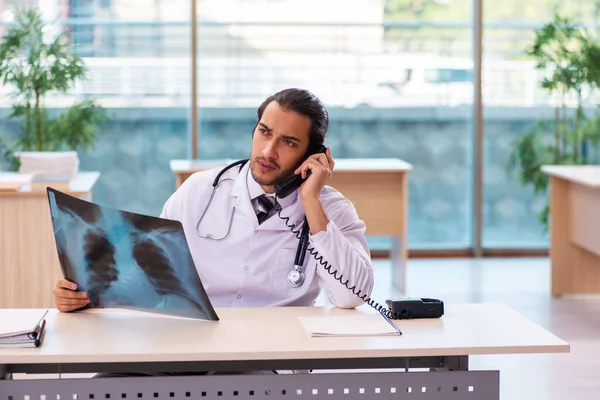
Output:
x,y
270,151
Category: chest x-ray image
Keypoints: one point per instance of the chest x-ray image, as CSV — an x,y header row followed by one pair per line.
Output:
x,y
127,260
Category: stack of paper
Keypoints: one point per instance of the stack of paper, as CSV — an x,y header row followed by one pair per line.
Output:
x,y
59,165
22,327
351,325
14,181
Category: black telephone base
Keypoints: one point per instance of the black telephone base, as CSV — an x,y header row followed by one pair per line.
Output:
x,y
415,307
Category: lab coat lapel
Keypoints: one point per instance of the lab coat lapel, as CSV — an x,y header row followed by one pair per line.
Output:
x,y
294,211
240,192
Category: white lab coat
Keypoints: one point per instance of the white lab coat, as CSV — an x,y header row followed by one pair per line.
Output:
x,y
249,267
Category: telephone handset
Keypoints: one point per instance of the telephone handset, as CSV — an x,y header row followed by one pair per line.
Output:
x,y
288,185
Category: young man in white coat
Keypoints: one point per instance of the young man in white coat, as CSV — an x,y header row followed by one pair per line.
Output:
x,y
242,248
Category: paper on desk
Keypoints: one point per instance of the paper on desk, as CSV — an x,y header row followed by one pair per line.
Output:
x,y
350,325
15,322
15,177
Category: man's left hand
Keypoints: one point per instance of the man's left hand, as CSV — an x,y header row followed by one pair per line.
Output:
x,y
321,168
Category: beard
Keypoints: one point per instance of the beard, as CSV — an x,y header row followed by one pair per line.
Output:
x,y
281,175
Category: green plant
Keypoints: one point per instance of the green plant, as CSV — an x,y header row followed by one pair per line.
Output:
x,y
35,67
570,60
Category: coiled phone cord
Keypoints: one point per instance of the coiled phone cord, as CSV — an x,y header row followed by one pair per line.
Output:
x,y
328,267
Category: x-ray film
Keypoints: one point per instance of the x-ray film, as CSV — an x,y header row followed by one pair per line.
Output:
x,y
127,260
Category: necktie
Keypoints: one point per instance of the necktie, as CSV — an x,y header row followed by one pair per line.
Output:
x,y
266,204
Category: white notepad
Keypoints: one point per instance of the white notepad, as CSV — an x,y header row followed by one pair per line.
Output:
x,y
350,325
16,322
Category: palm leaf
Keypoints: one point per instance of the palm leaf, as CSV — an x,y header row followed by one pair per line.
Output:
x,y
35,67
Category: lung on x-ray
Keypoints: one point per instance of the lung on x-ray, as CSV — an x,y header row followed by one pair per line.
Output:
x,y
127,260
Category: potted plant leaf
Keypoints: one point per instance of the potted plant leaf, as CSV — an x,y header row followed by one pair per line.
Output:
x,y
570,61
32,67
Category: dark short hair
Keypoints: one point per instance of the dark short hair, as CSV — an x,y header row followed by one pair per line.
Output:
x,y
304,103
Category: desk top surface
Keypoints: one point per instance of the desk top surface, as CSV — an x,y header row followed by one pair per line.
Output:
x,y
342,164
106,336
587,175
80,184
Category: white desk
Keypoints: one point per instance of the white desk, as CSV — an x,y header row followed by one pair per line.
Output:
x,y
378,188
574,228
266,339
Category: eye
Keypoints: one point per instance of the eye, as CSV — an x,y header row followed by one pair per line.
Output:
x,y
262,130
290,143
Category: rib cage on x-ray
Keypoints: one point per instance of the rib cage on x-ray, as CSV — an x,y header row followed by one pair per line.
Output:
x,y
127,260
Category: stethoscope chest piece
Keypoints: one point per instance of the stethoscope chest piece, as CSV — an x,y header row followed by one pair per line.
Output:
x,y
296,278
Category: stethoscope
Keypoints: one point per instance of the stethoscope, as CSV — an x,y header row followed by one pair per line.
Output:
x,y
295,277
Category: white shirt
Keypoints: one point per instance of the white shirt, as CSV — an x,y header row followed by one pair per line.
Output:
x,y
249,265
255,190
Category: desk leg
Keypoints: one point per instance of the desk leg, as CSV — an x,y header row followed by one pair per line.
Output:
x,y
452,363
398,258
5,372
456,363
399,253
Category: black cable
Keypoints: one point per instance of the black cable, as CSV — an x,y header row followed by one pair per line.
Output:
x,y
327,267
301,251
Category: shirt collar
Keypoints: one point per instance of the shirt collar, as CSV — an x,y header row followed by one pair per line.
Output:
x,y
255,190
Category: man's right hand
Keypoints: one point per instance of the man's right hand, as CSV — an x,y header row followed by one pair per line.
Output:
x,y
66,298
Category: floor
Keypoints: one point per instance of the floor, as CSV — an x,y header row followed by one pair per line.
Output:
x,y
523,284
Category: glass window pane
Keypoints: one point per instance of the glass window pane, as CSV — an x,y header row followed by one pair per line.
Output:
x,y
137,53
396,77
514,103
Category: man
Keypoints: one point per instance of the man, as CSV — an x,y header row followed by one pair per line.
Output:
x,y
241,235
